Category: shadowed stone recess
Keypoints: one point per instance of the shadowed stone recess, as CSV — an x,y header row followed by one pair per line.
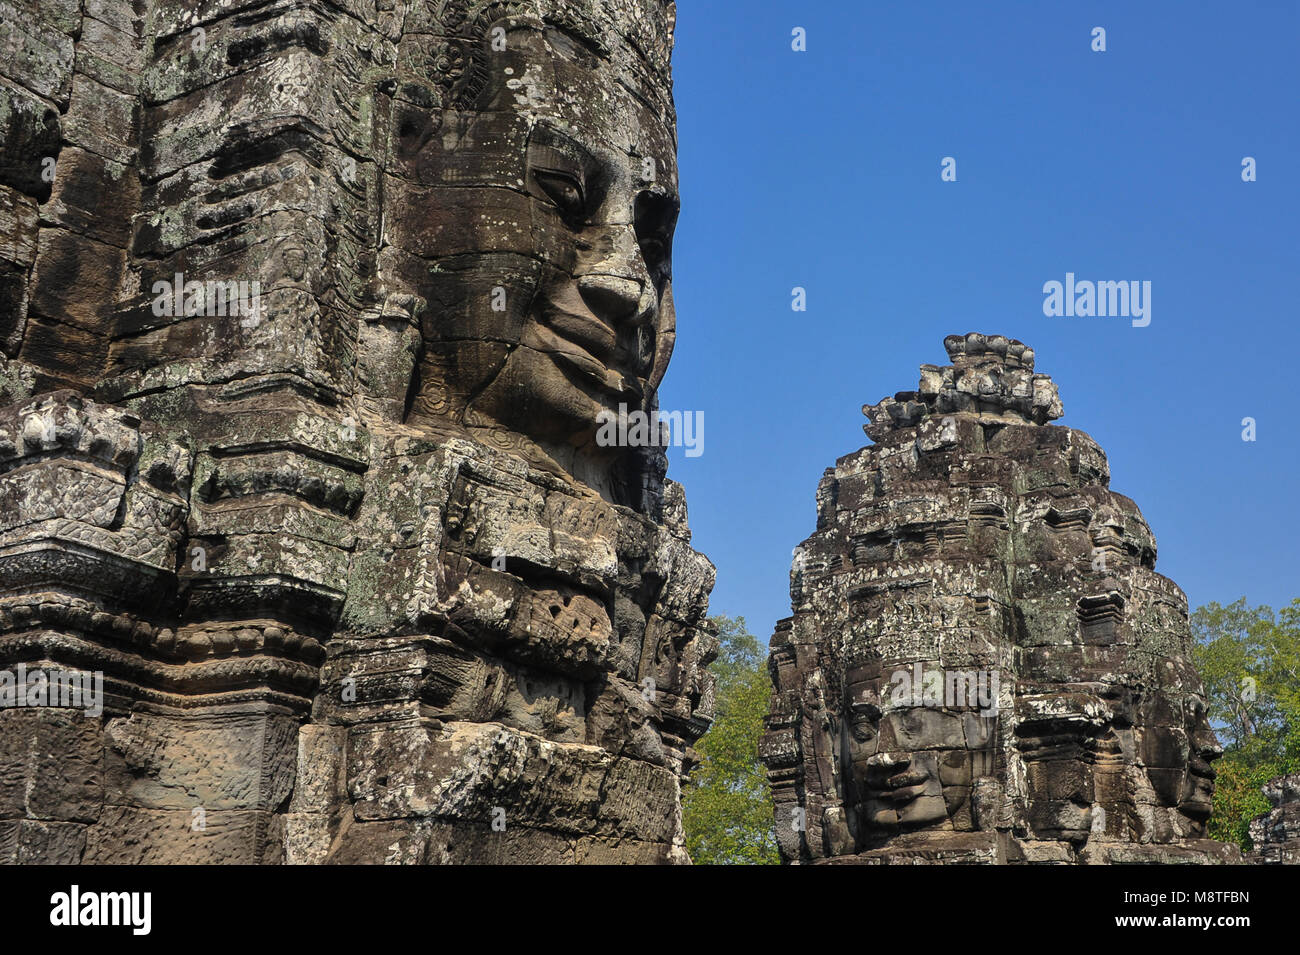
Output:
x,y
307,314
982,665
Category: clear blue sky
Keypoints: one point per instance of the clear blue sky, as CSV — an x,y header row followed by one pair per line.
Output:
x,y
821,169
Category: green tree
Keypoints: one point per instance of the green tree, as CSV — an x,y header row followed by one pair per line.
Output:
x,y
727,808
1249,658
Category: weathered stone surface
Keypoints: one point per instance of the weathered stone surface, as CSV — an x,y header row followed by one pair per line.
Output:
x,y
132,836
50,766
983,665
29,842
1276,834
307,316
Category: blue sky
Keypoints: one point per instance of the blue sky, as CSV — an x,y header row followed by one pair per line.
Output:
x,y
821,169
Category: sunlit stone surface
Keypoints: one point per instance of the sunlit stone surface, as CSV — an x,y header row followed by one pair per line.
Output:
x,y
307,312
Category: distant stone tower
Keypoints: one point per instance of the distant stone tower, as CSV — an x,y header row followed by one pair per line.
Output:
x,y
983,664
1276,834
309,313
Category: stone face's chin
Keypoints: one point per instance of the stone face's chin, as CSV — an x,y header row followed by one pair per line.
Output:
x,y
924,810
1198,792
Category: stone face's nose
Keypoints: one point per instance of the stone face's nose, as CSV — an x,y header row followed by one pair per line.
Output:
x,y
612,298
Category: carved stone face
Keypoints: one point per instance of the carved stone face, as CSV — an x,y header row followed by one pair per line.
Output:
x,y
1197,795
974,537
351,526
539,237
1062,738
909,767
1125,754
1177,745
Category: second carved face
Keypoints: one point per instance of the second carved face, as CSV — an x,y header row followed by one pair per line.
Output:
x,y
537,230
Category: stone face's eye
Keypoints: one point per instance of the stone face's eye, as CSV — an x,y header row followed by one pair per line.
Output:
x,y
867,711
564,190
862,721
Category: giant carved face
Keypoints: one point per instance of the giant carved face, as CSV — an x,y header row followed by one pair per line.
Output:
x,y
534,223
1176,743
1196,794
1121,750
1066,739
909,766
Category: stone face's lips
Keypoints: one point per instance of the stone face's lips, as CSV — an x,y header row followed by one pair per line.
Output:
x,y
589,371
590,334
1200,787
899,793
588,347
900,787
594,373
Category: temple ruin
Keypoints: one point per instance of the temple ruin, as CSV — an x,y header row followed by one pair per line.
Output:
x,y
307,312
983,665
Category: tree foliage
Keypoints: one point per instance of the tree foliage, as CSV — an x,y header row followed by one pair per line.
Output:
x,y
726,807
1249,658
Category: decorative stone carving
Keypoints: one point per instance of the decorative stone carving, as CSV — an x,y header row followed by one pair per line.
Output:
x,y
1276,834
983,664
305,326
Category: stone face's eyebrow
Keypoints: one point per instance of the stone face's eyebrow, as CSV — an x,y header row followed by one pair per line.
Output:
x,y
548,142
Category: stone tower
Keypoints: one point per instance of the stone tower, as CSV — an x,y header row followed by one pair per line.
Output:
x,y
1276,834
983,664
308,312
